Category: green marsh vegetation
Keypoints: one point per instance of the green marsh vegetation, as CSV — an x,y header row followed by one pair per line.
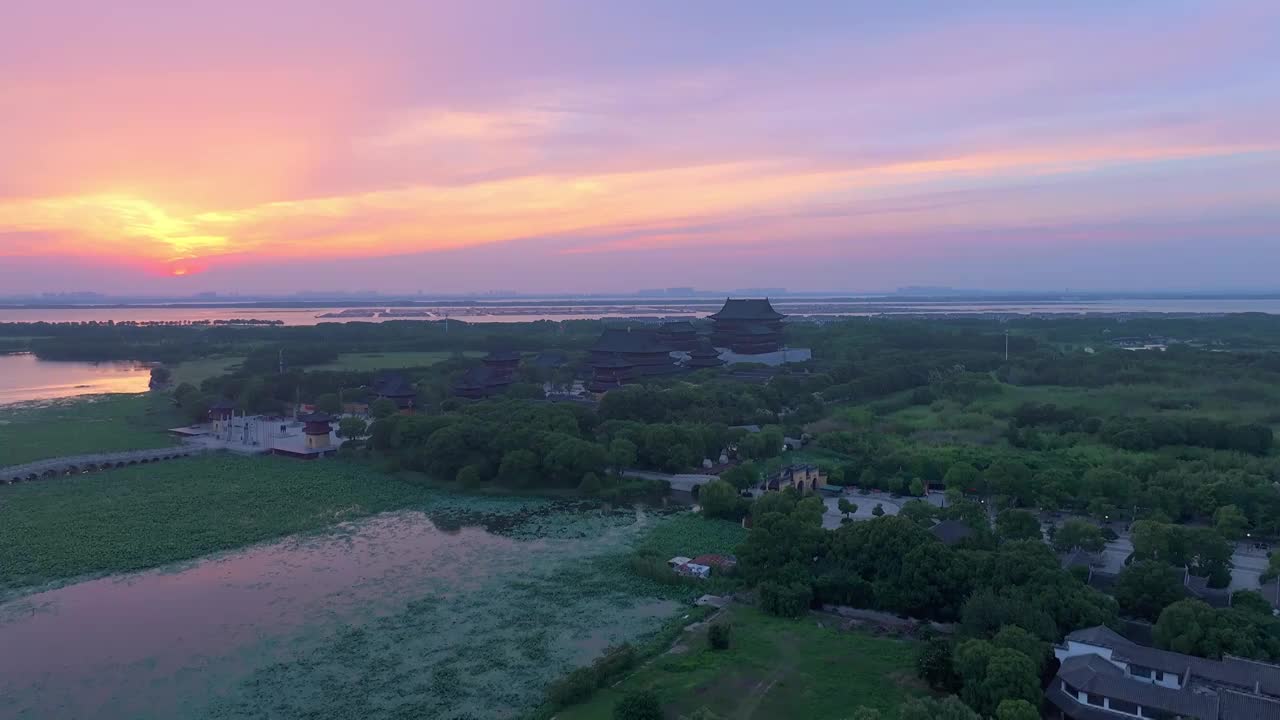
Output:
x,y
102,423
142,516
772,668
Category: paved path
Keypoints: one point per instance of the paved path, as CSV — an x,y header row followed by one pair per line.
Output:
x,y
76,464
686,482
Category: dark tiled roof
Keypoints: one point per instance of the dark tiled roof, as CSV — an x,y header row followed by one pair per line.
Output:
x,y
1238,706
316,417
1075,709
392,385
1100,636
1230,671
1199,587
612,361
619,340
482,378
951,532
1093,674
759,309
223,405
704,350
678,327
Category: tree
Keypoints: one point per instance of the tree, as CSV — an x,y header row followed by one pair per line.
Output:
x,y
878,510
1011,479
1017,525
964,477
933,665
638,705
1251,601
866,713
846,508
718,636
702,713
622,454
1016,710
1077,533
1230,522
590,484
919,512
469,476
948,708
1192,627
1273,569
719,499
785,600
352,428
382,408
519,468
329,403
916,487
1016,638
743,476
991,674
1147,587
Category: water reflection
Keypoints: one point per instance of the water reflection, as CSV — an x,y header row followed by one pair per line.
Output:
x,y
26,377
149,643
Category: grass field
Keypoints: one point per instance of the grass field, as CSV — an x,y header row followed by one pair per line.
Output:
x,y
142,516
774,668
388,361
103,423
197,371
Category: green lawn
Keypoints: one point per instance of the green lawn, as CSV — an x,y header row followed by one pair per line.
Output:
x,y
774,668
103,423
142,516
196,371
388,361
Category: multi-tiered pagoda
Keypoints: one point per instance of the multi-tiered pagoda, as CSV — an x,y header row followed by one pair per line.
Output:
x,y
493,377
703,356
394,387
627,355
748,327
679,335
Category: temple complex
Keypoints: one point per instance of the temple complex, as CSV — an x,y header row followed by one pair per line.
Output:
x,y
394,387
703,356
679,335
624,355
748,327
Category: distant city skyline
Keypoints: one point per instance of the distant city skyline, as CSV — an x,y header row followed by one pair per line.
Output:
x,y
571,146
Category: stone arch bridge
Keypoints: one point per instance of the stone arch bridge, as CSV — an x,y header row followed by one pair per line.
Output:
x,y
76,464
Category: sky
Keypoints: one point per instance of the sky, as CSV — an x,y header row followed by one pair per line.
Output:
x,y
594,146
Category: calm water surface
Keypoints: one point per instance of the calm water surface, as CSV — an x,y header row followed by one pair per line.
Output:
x,y
25,377
166,643
585,310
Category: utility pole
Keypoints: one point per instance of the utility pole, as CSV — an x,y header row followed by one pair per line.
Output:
x,y
1006,345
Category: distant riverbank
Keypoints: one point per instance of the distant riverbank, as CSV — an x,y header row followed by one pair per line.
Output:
x,y
506,311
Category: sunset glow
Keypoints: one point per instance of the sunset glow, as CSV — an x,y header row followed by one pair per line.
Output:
x,y
842,147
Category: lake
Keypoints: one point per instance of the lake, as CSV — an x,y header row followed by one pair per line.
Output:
x,y
284,625
603,308
24,378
